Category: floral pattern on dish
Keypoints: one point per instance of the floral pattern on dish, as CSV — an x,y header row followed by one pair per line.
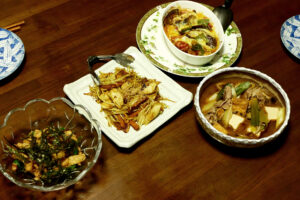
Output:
x,y
150,40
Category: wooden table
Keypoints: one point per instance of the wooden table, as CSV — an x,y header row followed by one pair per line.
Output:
x,y
179,160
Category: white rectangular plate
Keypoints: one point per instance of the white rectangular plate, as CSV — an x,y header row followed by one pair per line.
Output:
x,y
168,89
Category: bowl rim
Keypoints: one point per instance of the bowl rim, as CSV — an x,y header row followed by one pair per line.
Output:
x,y
76,108
241,141
222,33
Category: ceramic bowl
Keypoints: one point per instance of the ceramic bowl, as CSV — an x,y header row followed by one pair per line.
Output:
x,y
233,141
39,114
186,57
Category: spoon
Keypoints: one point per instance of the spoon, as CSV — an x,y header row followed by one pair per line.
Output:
x,y
224,13
121,58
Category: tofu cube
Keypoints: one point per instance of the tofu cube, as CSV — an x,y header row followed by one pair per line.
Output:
x,y
272,112
235,121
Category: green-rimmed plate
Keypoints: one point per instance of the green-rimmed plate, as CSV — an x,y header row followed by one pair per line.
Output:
x,y
150,41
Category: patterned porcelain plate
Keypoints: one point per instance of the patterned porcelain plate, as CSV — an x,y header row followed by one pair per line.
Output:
x,y
290,35
11,53
152,44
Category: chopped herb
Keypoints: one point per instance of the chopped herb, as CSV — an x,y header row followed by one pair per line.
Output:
x,y
144,42
153,45
148,51
45,155
226,59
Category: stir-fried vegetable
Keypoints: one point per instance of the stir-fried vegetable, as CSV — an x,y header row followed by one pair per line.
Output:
x,y
127,99
51,155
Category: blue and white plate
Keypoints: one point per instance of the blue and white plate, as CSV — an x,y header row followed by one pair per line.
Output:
x,y
11,53
290,35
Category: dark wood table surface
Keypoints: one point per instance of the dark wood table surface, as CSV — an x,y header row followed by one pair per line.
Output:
x,y
179,160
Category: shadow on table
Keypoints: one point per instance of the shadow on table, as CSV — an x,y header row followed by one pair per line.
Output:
x,y
262,151
14,74
289,54
147,138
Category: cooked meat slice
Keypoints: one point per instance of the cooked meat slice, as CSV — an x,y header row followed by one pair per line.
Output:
x,y
169,18
261,93
227,92
153,113
150,88
220,113
211,117
116,97
223,104
104,97
72,160
211,41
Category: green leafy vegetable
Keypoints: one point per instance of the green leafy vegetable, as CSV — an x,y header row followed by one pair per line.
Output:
x,y
42,154
19,164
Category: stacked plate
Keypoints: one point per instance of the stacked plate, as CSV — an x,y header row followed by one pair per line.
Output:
x,y
11,53
290,35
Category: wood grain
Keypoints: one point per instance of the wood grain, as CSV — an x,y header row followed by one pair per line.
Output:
x,y
179,160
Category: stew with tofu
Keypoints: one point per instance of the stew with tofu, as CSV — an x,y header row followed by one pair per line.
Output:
x,y
241,106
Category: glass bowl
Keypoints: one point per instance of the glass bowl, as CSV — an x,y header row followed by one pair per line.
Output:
x,y
39,114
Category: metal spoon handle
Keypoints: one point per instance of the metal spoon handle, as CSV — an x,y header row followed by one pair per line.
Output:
x,y
228,3
121,58
91,61
105,57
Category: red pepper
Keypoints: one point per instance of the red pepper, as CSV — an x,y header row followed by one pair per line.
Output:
x,y
183,46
